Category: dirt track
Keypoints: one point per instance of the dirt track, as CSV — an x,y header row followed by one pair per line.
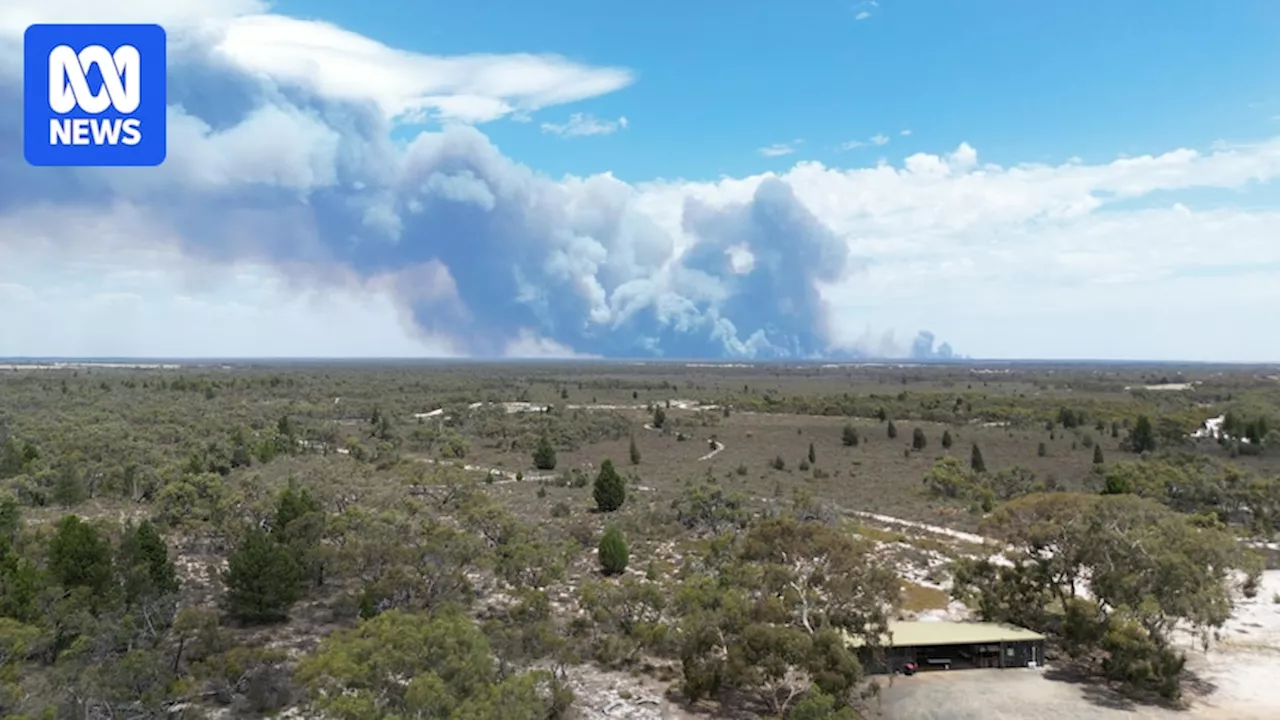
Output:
x,y
1024,694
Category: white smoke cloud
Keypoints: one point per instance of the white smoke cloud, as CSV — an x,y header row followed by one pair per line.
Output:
x,y
272,201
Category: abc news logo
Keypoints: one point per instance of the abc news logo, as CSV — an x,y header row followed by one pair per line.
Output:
x,y
94,95
69,89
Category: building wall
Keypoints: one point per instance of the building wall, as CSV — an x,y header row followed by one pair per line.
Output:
x,y
1008,655
1023,653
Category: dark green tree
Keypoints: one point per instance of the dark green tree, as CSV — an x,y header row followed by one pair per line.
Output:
x,y
1143,437
659,418
69,488
544,456
893,430
10,518
634,451
849,436
80,557
1097,455
813,456
946,439
292,504
609,491
300,526
21,584
613,552
918,440
263,580
144,565
976,463
1042,449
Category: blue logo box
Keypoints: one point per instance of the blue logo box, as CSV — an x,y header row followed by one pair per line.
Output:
x,y
94,95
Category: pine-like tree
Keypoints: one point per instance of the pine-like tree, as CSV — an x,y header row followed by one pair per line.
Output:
x,y
610,491
69,488
1143,437
145,568
850,436
263,580
813,456
80,557
1097,455
976,463
635,451
946,439
292,504
918,440
893,430
613,552
544,456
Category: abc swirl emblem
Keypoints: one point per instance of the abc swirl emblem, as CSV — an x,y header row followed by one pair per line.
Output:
x,y
94,95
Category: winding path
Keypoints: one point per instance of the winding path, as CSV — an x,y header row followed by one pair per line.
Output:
x,y
509,476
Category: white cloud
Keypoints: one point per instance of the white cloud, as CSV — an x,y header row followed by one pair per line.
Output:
x,y
1026,260
878,139
741,260
904,133
780,149
582,124
1017,260
142,305
340,64
863,15
470,88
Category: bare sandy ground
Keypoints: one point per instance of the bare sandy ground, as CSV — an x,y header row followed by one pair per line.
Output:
x,y
1240,674
1244,663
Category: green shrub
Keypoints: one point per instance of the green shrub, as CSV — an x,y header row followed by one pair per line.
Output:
x,y
610,491
613,552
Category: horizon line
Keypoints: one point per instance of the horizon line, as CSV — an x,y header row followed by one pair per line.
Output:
x,y
954,361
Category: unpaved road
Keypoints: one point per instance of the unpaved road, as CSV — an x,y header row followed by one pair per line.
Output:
x,y
1025,694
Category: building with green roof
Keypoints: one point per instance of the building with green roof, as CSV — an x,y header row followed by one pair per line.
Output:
x,y
940,644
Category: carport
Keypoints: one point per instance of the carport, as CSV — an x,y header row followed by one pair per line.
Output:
x,y
943,645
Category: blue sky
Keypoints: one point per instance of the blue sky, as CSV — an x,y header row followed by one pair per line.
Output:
x,y
1024,81
752,179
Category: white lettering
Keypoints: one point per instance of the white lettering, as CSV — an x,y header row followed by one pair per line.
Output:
x,y
106,133
132,131
80,131
59,132
121,79
95,131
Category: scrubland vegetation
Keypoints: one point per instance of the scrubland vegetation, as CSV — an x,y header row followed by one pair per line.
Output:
x,y
476,542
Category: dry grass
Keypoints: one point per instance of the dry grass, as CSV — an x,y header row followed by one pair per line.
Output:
x,y
876,476
919,598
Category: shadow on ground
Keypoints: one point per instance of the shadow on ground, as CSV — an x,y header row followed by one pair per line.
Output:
x,y
1103,694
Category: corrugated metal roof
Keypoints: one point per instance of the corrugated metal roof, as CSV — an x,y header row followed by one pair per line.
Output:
x,y
940,632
